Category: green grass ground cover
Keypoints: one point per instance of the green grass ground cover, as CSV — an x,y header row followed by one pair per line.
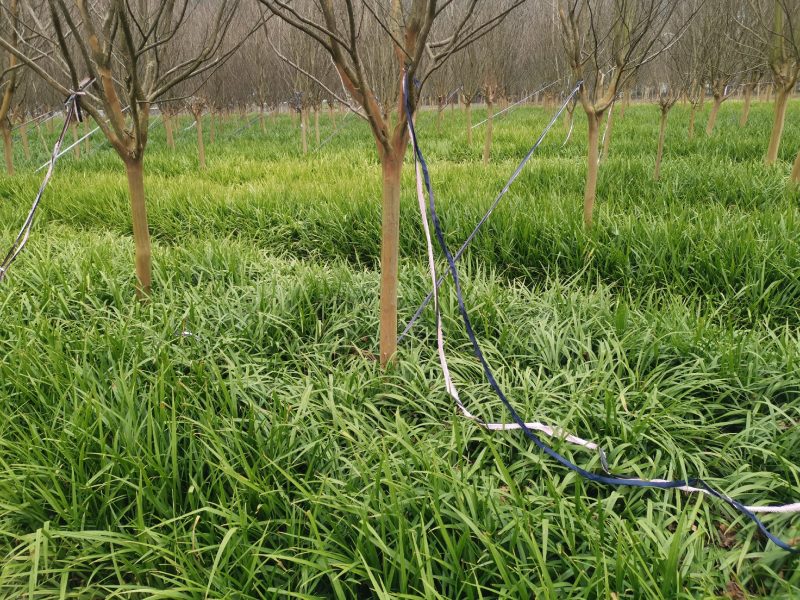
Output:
x,y
266,455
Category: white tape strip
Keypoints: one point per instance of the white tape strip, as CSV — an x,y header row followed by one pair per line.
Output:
x,y
546,429
448,380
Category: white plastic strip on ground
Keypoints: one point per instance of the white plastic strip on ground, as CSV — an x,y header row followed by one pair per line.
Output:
x,y
448,381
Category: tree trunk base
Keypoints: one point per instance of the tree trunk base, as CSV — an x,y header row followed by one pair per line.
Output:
x,y
141,233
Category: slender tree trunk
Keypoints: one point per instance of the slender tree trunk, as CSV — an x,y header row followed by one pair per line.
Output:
x,y
468,110
316,125
590,193
332,114
212,134
487,145
41,137
8,148
748,95
303,129
168,129
50,126
692,114
201,146
141,234
795,177
607,135
87,145
661,134
439,116
712,118
781,101
26,146
390,251
75,138
261,120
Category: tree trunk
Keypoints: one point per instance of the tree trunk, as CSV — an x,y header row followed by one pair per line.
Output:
x,y
781,100
468,110
141,234
86,143
41,137
168,129
607,134
303,129
75,138
439,116
26,147
316,125
261,120
795,177
487,145
212,134
50,126
593,166
201,147
712,118
748,94
692,114
332,114
390,250
661,134
8,148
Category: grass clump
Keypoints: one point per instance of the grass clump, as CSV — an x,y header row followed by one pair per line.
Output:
x,y
233,438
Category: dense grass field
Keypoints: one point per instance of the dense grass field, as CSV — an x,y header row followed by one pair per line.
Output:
x,y
266,455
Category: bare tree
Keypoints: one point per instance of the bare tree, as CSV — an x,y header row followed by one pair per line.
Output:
x,y
722,59
688,60
752,79
403,31
197,106
606,41
10,26
775,29
133,53
669,81
468,65
306,70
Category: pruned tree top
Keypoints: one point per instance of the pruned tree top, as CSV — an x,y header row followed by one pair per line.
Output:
x,y
606,41
419,38
135,52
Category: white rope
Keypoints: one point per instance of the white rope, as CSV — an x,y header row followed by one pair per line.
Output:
x,y
448,380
